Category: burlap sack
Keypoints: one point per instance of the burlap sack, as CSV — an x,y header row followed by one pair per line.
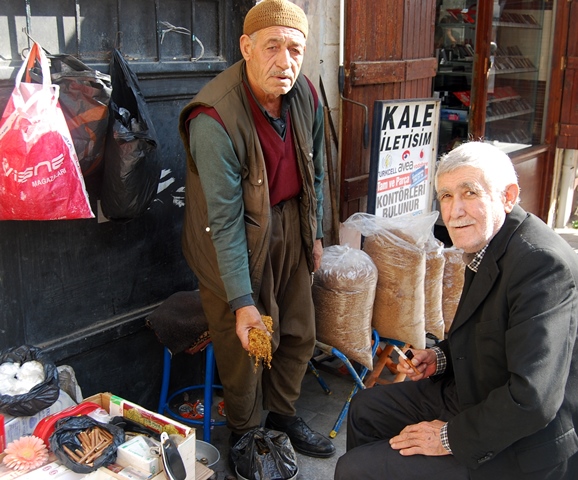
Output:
x,y
343,294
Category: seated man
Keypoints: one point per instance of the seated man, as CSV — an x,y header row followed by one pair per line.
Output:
x,y
497,399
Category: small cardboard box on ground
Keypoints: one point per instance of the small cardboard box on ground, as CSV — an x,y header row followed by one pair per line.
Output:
x,y
117,406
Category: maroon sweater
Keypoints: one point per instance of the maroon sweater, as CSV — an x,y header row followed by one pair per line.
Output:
x,y
283,176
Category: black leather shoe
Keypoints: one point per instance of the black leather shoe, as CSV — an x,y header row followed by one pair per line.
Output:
x,y
303,439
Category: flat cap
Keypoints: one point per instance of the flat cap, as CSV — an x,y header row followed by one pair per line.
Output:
x,y
275,13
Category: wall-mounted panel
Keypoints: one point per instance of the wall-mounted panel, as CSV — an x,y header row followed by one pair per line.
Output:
x,y
81,289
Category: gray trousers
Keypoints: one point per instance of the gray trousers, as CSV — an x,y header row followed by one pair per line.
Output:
x,y
285,296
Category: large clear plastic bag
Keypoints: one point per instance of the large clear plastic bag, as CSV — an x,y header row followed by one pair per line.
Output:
x,y
453,284
397,247
343,294
84,98
434,276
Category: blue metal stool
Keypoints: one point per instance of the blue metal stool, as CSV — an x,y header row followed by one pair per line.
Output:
x,y
180,325
207,422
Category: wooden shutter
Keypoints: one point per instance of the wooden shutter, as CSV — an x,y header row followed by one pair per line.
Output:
x,y
389,54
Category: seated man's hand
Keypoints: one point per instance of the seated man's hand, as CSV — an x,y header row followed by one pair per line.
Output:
x,y
420,439
425,362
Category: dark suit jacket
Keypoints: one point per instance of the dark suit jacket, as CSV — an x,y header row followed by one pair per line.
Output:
x,y
513,354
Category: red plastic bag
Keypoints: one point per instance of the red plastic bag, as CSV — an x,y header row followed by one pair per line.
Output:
x,y
40,177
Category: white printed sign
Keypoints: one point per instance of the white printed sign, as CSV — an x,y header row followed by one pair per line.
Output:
x,y
403,154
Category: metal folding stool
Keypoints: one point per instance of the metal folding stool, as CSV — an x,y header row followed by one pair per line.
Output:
x,y
357,377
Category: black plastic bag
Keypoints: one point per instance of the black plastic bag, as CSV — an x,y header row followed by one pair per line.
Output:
x,y
264,454
65,434
131,166
84,98
40,396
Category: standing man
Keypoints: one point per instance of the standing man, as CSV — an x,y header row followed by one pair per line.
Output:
x,y
252,228
498,398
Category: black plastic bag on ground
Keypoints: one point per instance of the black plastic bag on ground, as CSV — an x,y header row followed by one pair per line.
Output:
x,y
84,99
131,166
264,454
42,395
65,434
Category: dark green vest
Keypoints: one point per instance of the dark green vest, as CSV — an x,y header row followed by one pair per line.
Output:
x,y
227,95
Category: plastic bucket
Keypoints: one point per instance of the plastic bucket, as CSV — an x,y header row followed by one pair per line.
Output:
x,y
206,453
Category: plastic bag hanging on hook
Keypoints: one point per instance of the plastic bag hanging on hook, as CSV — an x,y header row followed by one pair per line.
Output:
x,y
131,166
84,98
40,176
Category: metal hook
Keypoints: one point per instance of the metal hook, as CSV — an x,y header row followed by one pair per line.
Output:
x,y
183,31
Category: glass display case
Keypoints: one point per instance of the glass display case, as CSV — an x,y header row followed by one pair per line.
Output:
x,y
510,88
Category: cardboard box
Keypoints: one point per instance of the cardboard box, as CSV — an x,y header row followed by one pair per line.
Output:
x,y
186,445
53,470
184,437
137,453
132,473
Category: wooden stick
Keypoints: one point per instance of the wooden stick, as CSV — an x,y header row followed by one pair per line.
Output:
x,y
93,441
71,454
97,451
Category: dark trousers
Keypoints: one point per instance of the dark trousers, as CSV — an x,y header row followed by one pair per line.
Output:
x,y
286,296
378,414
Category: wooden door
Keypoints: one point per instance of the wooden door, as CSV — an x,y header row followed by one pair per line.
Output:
x,y
568,137
389,54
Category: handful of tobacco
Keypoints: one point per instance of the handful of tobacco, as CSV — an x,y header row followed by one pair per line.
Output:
x,y
260,343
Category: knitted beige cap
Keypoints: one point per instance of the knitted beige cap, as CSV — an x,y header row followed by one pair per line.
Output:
x,y
273,13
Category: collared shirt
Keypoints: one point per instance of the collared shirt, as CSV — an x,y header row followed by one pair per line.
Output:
x,y
473,263
279,124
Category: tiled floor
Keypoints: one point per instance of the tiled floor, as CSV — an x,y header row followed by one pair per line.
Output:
x,y
319,410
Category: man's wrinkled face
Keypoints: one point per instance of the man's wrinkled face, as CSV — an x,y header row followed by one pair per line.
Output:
x,y
274,59
471,212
